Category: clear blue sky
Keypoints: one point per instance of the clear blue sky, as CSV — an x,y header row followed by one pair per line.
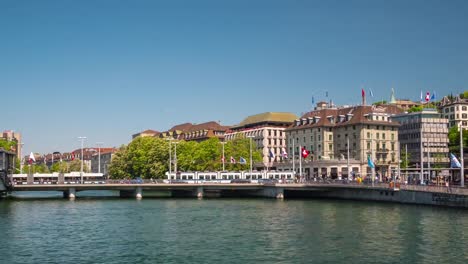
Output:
x,y
107,69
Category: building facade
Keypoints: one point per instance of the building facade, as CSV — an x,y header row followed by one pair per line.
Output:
x,y
10,135
146,133
424,137
196,132
267,131
330,133
455,110
105,161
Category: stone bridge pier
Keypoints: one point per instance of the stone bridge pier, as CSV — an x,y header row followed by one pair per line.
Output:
x,y
70,193
135,193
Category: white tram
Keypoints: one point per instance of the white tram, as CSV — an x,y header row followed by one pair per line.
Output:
x,y
229,176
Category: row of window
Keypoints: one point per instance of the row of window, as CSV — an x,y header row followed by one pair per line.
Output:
x,y
452,109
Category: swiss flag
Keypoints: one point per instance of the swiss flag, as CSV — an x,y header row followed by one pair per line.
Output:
x,y
304,152
73,156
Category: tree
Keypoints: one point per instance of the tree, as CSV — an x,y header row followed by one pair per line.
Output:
x,y
380,102
405,158
464,95
454,139
7,145
61,167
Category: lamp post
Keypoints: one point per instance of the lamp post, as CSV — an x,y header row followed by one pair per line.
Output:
x,y
223,158
21,158
81,170
175,155
251,136
99,144
170,157
462,161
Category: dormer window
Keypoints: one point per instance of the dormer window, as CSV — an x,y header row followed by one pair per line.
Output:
x,y
310,120
297,121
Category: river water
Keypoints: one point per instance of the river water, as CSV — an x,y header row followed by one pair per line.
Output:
x,y
113,230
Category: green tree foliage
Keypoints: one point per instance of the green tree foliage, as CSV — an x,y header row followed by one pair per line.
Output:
x,y
464,95
75,165
61,167
148,157
454,139
36,168
405,159
7,145
380,102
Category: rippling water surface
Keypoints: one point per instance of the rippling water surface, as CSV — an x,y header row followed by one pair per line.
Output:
x,y
228,231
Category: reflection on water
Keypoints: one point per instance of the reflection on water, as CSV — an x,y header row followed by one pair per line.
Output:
x,y
228,231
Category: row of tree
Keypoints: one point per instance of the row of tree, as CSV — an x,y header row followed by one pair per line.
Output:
x,y
61,167
148,157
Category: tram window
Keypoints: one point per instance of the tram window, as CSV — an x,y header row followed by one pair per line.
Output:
x,y
247,176
230,177
184,177
202,177
190,177
254,176
260,176
177,177
276,176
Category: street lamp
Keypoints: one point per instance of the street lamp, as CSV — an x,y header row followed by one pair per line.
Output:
x,y
175,155
250,136
99,144
21,158
462,161
81,170
223,159
170,157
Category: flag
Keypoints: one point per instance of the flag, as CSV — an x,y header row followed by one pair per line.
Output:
x,y
421,96
45,159
73,156
454,163
371,92
428,96
304,152
313,100
242,161
433,95
363,93
272,155
370,163
233,160
31,158
284,153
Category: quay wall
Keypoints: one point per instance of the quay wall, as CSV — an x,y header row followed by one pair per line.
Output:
x,y
386,195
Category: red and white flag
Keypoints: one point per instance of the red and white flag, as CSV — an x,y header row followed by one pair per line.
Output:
x,y
304,152
428,96
233,160
31,158
73,156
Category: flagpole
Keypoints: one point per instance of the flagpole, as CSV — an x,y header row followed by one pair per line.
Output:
x,y
462,161
349,173
223,159
300,163
421,177
372,159
294,161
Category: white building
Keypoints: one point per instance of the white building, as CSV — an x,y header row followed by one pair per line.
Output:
x,y
455,110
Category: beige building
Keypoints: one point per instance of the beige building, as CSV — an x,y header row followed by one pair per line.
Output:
x,y
10,135
267,131
326,133
455,110
195,132
146,133
106,158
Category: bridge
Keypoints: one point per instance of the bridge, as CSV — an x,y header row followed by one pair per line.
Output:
x,y
414,194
